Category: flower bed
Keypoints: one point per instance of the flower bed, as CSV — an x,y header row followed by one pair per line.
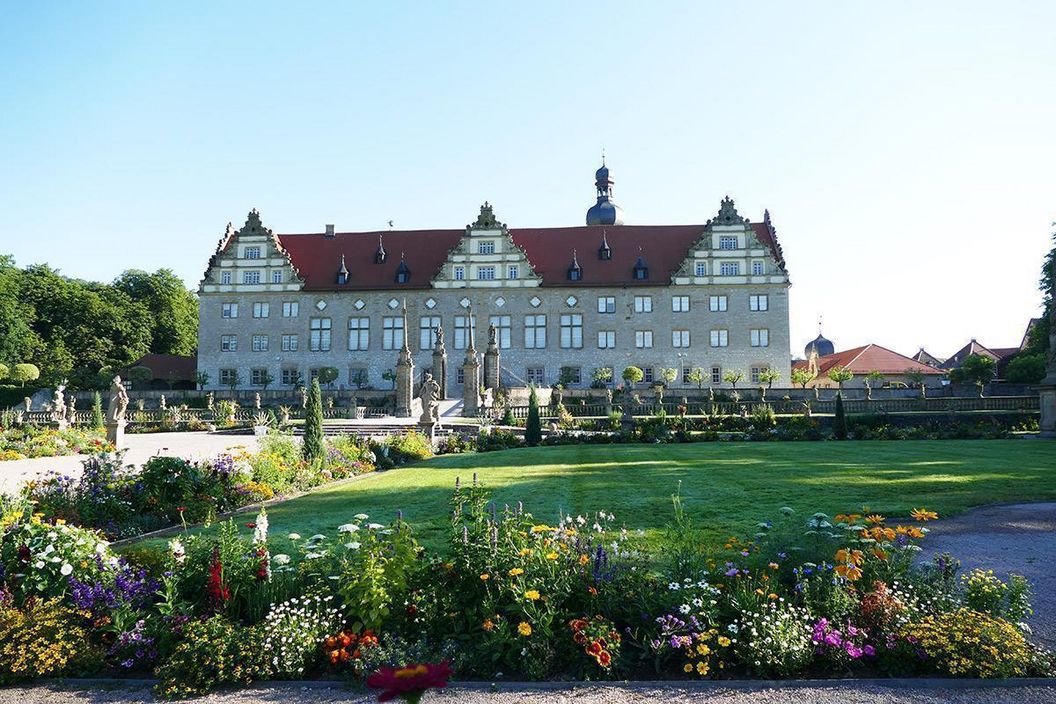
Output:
x,y
25,441
510,597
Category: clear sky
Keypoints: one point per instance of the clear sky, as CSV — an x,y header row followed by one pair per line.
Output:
x,y
906,150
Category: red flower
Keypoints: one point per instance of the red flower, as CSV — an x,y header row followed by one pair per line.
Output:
x,y
216,589
251,524
410,682
594,648
181,509
604,658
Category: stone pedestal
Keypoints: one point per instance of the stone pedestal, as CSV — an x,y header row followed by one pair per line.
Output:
x,y
491,361
1047,400
440,369
115,434
471,385
404,375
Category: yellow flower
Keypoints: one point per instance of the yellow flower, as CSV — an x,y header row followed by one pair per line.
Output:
x,y
541,528
724,641
516,571
702,668
688,667
524,551
772,596
532,595
488,625
584,559
875,519
485,577
922,515
524,628
703,649
773,565
551,556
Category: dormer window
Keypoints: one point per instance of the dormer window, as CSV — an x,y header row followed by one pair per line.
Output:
x,y
403,273
641,270
575,271
379,255
604,251
342,273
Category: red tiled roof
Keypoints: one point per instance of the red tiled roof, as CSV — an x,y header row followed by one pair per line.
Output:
x,y
549,250
170,367
862,360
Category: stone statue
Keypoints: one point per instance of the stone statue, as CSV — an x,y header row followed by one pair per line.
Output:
x,y
439,336
140,404
58,403
492,335
115,411
608,396
556,395
28,403
430,395
161,404
71,409
209,400
256,400
304,397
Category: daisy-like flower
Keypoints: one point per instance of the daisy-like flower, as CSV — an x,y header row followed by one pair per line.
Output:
x,y
922,515
347,528
524,628
532,595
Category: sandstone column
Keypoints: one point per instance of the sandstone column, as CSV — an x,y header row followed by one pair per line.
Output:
x,y
404,375
440,364
491,361
471,375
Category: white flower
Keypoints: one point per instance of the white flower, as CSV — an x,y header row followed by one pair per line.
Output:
x,y
580,520
39,564
260,530
294,536
684,608
352,546
347,528
374,526
67,569
361,516
313,555
280,559
673,586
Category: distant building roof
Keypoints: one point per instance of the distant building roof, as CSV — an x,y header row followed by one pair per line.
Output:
x,y
995,353
924,357
169,367
868,358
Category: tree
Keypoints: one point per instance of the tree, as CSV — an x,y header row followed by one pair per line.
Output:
x,y
915,376
533,430
667,375
1038,339
839,422
840,375
97,411
874,379
568,376
141,375
21,373
975,369
696,376
601,377
1026,368
632,375
326,375
313,447
201,379
769,376
267,378
234,380
5,371
733,376
803,376
173,309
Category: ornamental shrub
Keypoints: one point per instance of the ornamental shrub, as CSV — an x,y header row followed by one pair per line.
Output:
x,y
213,653
45,639
313,447
839,422
775,639
407,447
533,431
293,632
97,411
987,593
967,643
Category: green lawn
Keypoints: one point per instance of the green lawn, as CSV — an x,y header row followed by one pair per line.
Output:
x,y
727,487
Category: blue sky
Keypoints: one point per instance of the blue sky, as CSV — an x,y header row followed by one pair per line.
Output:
x,y
905,150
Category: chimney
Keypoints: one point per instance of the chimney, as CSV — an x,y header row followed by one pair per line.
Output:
x,y
330,231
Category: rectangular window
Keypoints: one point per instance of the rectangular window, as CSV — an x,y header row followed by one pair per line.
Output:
x,y
460,375
760,337
534,332
716,375
757,268
228,343
252,252
229,310
257,376
573,375
358,334
261,310
485,273
606,339
228,376
276,277
728,242
700,269
357,377
643,339
643,304
680,338
251,277
319,334
486,247
648,375
606,304
225,277
260,343
717,304
535,375
756,372
391,333
759,302
511,271
289,343
289,376
730,269
427,332
460,273
680,304
291,309
572,331
462,327
686,371
720,338
502,330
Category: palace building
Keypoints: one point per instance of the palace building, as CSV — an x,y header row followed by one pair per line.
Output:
x,y
564,301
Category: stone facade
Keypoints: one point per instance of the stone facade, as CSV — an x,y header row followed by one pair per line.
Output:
x,y
724,307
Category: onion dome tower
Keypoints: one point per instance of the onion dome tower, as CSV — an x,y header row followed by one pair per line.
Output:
x,y
819,345
605,211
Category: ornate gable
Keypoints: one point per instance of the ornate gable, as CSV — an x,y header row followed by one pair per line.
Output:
x,y
486,257
250,259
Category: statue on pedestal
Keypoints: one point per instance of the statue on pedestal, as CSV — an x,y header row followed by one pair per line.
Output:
x,y
115,413
28,403
430,395
58,406
256,400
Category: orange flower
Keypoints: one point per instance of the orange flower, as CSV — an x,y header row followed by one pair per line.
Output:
x,y
922,515
914,532
879,554
592,591
488,625
875,519
524,628
773,565
584,559
604,658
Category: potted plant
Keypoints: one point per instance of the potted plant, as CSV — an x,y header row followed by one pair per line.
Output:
x,y
261,422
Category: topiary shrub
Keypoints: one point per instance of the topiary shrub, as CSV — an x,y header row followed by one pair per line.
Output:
x,y
313,447
533,430
839,422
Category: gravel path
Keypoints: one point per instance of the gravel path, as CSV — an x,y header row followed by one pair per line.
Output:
x,y
141,447
797,694
1018,538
